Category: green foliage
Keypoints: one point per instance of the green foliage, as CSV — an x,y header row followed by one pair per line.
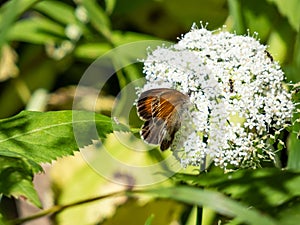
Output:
x,y
98,18
55,10
269,190
110,5
36,30
31,138
16,176
216,201
294,153
9,13
149,220
264,188
150,213
289,9
42,137
271,26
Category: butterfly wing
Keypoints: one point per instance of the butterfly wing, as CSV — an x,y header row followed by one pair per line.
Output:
x,y
160,108
171,128
153,130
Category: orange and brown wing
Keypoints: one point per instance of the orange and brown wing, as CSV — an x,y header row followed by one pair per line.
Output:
x,y
159,108
159,102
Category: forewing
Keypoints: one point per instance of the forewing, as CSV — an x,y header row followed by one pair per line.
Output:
x,y
148,102
144,107
160,108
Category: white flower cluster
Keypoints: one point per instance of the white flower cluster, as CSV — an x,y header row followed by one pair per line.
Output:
x,y
236,92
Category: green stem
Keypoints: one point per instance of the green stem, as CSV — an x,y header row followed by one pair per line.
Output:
x,y
199,215
60,208
235,9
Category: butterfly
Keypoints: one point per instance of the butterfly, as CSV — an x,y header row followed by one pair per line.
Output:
x,y
162,110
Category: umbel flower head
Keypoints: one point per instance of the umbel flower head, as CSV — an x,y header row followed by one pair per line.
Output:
x,y
238,102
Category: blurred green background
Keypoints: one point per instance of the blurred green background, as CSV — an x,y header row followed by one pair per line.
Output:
x,y
47,45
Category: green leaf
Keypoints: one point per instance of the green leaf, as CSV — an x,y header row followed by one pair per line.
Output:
x,y
288,213
110,5
35,167
43,137
36,30
20,7
30,138
237,16
294,152
297,50
256,16
92,184
263,188
290,9
97,17
149,219
158,211
16,179
121,38
91,50
263,18
214,200
192,218
55,10
9,13
280,41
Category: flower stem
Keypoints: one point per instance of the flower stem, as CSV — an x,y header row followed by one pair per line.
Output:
x,y
60,208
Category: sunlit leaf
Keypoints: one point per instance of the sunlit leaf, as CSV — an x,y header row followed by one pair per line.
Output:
x,y
110,5
158,211
297,50
20,7
290,9
280,42
9,13
294,152
55,10
30,138
192,218
149,219
42,137
253,16
258,16
91,50
236,14
36,30
98,17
